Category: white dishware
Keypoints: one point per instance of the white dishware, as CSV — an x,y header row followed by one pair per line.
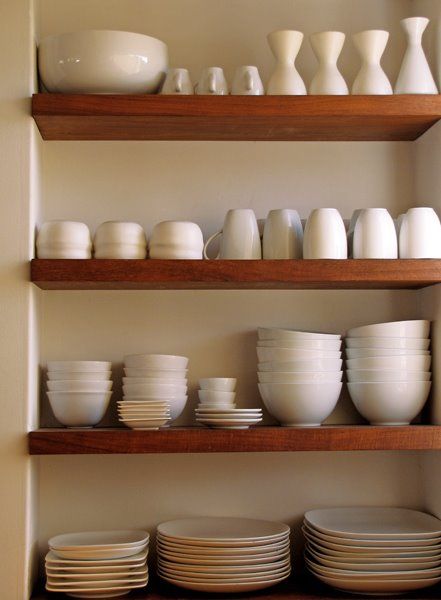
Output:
x,y
120,251
302,377
216,396
120,239
376,575
302,344
328,80
285,79
79,375
156,373
176,240
375,235
176,82
201,410
154,380
415,76
212,82
224,569
64,240
417,328
79,386
79,365
350,233
380,587
154,389
115,552
282,235
369,554
219,384
155,361
70,564
233,423
270,333
388,342
247,82
371,542
400,363
176,403
310,365
102,62
325,235
366,375
98,539
240,236
289,354
55,577
371,79
220,578
79,409
420,234
225,588
368,352
146,424
236,549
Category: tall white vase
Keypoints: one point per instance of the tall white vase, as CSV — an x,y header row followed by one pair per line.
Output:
x,y
415,76
328,80
371,78
285,80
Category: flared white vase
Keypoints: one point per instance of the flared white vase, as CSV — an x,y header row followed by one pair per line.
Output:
x,y
328,80
415,76
371,78
285,80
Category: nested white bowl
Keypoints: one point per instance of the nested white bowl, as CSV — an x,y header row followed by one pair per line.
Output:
x,y
398,363
366,352
156,373
408,329
305,365
220,384
79,365
79,375
102,62
300,377
300,404
152,389
391,342
270,333
289,354
355,375
389,403
79,409
79,386
154,381
215,396
156,361
177,403
314,344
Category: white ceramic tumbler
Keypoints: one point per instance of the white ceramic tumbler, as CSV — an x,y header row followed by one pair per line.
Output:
x,y
212,82
247,82
325,235
375,235
240,236
64,239
176,240
420,234
178,82
282,235
120,239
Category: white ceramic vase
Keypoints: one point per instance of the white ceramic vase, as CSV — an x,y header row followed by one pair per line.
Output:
x,y
328,80
371,78
375,235
415,76
420,234
285,80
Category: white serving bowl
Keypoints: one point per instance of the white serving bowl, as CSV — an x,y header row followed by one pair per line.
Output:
x,y
219,384
305,365
398,363
120,251
407,329
79,375
388,402
102,62
289,354
367,352
215,396
388,342
156,361
156,373
177,403
79,365
154,380
314,344
300,377
66,385
269,333
79,409
300,404
390,375
154,389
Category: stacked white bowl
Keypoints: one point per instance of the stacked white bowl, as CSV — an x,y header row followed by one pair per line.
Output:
x,y
79,391
388,370
97,564
154,390
217,408
299,375
120,239
64,239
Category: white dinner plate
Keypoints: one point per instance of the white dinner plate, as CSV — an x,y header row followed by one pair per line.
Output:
x,y
147,424
103,592
396,586
372,549
340,573
99,554
224,569
97,576
52,559
235,588
99,540
368,553
91,585
232,411
232,551
253,559
368,542
206,578
374,565
92,570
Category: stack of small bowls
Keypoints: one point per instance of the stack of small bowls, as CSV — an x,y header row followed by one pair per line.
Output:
x,y
299,375
155,390
64,239
388,370
117,239
79,391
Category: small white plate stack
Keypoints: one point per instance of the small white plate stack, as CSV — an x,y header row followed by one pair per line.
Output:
x,y
373,550
300,375
221,554
79,391
97,564
154,390
388,370
217,408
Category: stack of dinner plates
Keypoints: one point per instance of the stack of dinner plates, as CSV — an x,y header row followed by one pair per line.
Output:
x,y
97,564
222,554
373,550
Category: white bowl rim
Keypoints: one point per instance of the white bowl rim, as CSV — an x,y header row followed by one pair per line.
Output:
x,y
82,31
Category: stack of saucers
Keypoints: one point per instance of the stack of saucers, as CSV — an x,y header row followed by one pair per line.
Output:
x,y
155,390
217,408
97,564
299,375
221,554
388,370
373,550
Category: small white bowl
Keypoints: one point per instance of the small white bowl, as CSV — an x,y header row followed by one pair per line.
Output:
x,y
390,342
299,377
79,365
289,354
398,363
155,361
79,375
215,396
355,376
406,329
156,373
79,409
367,352
177,403
219,384
152,389
66,385
153,380
269,333
306,365
389,403
314,344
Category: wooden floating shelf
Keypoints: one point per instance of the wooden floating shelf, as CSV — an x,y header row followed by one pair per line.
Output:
x,y
257,439
233,274
226,118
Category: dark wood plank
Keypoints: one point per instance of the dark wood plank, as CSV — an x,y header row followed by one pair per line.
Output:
x,y
233,274
257,439
264,118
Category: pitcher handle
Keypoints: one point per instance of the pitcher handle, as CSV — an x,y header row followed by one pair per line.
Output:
x,y
208,242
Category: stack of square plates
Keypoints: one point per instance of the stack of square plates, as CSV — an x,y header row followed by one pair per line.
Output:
x,y
221,554
373,550
98,564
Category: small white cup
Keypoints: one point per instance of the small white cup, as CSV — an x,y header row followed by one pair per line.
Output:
x,y
282,235
177,82
64,239
375,235
219,384
176,240
247,82
120,239
212,82
216,397
240,236
420,234
325,235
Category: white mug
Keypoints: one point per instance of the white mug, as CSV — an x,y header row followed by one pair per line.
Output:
x,y
375,235
240,236
247,82
282,235
64,239
325,235
420,234
120,239
212,81
176,240
177,82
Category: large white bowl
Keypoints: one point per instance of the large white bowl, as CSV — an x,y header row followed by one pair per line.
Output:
x,y
79,409
79,386
366,352
388,342
305,365
314,344
389,403
79,365
177,403
300,377
79,375
289,354
269,333
389,375
300,404
156,373
102,62
407,329
154,389
156,361
398,363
